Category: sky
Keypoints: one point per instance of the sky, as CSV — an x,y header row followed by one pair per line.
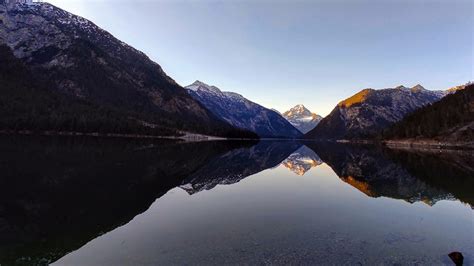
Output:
x,y
282,53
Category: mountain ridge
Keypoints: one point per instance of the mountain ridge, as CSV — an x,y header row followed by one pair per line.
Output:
x,y
82,61
364,114
241,112
449,119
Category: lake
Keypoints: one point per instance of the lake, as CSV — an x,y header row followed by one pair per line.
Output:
x,y
93,201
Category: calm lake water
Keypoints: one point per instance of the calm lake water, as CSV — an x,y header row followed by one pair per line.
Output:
x,y
83,201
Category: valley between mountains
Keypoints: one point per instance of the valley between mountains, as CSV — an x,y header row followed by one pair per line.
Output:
x,y
62,74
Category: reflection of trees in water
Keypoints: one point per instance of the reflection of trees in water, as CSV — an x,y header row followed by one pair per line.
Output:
x,y
58,194
411,176
452,171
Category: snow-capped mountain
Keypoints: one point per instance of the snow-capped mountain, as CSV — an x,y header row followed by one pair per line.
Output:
x,y
369,111
81,61
450,119
301,118
302,160
241,112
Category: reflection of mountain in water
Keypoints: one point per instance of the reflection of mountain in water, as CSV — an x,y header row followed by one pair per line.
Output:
x,y
302,160
451,171
58,194
237,164
376,174
55,196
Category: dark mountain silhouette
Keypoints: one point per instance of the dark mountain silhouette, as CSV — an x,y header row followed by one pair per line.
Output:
x,y
27,104
72,56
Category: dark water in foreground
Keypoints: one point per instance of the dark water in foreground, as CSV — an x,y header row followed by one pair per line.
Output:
x,y
114,202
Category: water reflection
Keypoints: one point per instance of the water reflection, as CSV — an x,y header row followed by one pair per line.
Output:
x,y
58,194
408,175
237,164
449,171
246,207
302,160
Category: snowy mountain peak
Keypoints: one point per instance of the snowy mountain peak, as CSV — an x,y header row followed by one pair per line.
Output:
x,y
199,85
302,118
417,88
298,110
401,87
241,112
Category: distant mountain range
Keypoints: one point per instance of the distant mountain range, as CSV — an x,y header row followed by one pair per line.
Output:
x,y
241,112
449,119
75,60
62,73
366,113
301,118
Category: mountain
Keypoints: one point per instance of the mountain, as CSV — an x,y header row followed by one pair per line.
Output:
x,y
376,174
450,119
72,57
369,111
242,113
239,164
26,104
301,118
302,160
457,88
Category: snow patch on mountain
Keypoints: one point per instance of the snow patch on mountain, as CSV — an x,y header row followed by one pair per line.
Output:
x,y
301,118
241,112
369,111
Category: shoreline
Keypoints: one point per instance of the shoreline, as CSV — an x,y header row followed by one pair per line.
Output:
x,y
403,144
412,144
428,144
185,137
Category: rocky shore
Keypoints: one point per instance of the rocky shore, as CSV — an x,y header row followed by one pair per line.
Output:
x,y
429,144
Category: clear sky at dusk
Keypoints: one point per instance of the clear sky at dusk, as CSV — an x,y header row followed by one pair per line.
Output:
x,y
282,53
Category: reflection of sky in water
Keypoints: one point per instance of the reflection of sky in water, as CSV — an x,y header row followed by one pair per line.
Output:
x,y
278,217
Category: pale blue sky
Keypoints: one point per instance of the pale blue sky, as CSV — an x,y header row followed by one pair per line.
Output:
x,y
282,53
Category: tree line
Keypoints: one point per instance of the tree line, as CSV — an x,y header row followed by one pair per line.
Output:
x,y
438,119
